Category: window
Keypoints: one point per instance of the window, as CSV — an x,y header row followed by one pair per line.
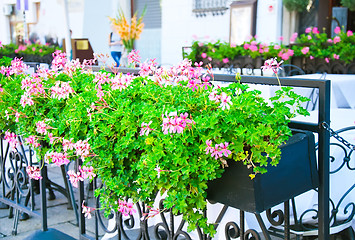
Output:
x,y
215,7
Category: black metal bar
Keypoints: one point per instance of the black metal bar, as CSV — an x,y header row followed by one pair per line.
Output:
x,y
313,127
287,220
82,229
20,207
263,227
42,184
242,224
323,162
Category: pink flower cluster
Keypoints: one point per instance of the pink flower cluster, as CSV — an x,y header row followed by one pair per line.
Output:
x,y
176,124
101,78
87,210
293,37
87,172
68,144
34,172
152,213
218,151
11,138
59,60
253,46
121,81
272,64
314,30
82,148
16,113
148,68
84,173
145,128
61,90
337,30
41,127
33,87
305,50
133,57
32,141
126,208
286,54
20,48
57,158
224,99
17,67
74,177
26,99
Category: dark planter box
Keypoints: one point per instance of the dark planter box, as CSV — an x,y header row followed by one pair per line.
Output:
x,y
295,174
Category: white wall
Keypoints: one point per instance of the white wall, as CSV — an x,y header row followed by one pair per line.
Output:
x,y
5,37
52,15
96,25
180,27
269,20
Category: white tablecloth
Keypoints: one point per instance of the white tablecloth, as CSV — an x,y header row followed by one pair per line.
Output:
x,y
342,88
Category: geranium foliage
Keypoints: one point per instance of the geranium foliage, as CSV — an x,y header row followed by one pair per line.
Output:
x,y
167,131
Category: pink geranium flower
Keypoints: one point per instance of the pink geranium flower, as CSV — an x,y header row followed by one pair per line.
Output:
x,y
133,57
145,128
87,210
34,172
209,148
272,64
203,55
336,39
308,30
225,60
225,101
87,172
315,30
327,60
74,177
293,37
32,141
305,50
349,33
337,30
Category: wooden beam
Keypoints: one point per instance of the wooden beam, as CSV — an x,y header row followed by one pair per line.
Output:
x,y
324,15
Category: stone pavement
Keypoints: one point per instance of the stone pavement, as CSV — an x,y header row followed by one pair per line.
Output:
x,y
59,216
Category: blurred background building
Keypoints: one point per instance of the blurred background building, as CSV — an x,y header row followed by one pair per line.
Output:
x,y
169,25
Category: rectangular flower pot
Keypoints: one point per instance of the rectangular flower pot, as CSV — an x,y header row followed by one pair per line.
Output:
x,y
295,174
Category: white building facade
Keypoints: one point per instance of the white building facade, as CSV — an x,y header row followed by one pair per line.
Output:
x,y
169,25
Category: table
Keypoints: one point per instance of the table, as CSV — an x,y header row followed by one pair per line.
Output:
x,y
342,88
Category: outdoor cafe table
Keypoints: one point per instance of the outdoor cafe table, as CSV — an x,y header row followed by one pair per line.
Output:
x,y
342,88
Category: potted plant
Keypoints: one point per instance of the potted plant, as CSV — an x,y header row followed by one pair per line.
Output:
x,y
348,4
170,133
296,5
